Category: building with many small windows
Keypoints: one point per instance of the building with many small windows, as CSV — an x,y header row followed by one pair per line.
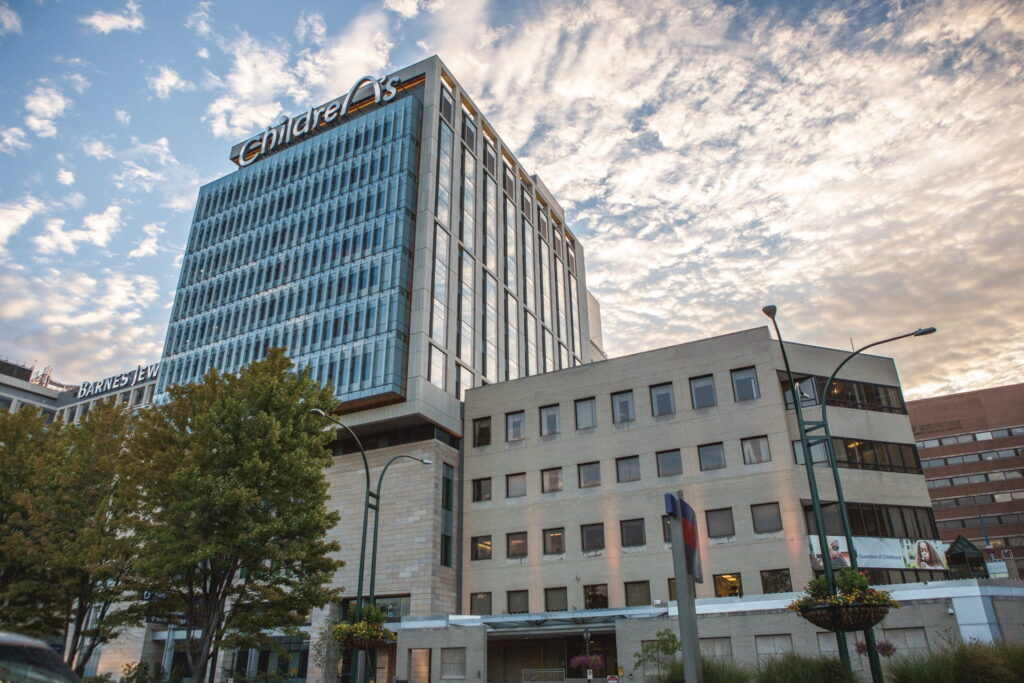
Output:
x,y
972,452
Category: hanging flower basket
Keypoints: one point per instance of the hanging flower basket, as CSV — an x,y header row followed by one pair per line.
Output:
x,y
852,617
362,635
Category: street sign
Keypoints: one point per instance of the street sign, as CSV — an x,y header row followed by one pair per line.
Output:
x,y
613,679
590,674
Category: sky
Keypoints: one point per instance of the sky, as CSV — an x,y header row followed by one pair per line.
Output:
x,y
859,164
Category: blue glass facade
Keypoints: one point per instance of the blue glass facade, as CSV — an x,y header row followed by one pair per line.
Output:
x,y
309,249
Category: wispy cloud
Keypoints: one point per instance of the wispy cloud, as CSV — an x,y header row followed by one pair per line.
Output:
x,y
97,229
310,28
10,21
149,246
13,139
167,81
122,116
130,19
14,215
98,149
65,177
44,105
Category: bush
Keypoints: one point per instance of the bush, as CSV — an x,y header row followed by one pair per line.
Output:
x,y
794,668
961,663
713,669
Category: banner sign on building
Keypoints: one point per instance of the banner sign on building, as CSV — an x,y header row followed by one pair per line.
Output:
x,y
124,380
883,553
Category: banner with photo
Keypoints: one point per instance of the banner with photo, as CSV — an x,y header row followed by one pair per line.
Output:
x,y
883,553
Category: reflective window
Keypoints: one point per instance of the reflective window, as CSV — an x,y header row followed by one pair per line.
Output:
x,y
516,544
518,602
589,474
712,456
554,541
767,518
551,480
515,426
638,593
622,407
669,463
481,489
596,596
755,450
702,391
744,384
633,533
480,548
515,485
663,401
776,581
549,420
720,523
586,413
482,431
628,468
480,603
592,536
556,600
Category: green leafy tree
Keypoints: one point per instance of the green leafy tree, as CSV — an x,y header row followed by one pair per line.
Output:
x,y
654,652
233,517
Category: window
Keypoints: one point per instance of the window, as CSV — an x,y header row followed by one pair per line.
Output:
x,y
516,544
755,450
669,463
776,581
481,489
712,456
772,646
480,603
482,431
556,600
589,474
554,541
515,426
702,391
744,384
518,602
663,402
551,480
515,485
632,531
671,589
728,586
586,413
719,648
766,518
911,640
628,468
447,507
720,523
638,593
595,597
480,548
549,420
665,533
453,662
622,407
592,537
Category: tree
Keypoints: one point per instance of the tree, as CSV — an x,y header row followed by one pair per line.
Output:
x,y
69,530
233,517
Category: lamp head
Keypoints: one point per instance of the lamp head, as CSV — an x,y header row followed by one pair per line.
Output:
x,y
923,331
770,310
318,412
426,462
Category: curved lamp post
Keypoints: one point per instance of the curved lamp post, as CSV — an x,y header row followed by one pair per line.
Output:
x,y
826,437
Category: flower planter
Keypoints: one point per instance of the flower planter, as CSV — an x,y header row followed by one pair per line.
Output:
x,y
852,617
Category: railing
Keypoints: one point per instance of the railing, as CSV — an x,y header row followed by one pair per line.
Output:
x,y
543,675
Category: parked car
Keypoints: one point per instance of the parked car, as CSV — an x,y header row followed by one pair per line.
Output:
x,y
27,660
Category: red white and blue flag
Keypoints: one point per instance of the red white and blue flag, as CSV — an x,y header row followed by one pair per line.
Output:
x,y
680,510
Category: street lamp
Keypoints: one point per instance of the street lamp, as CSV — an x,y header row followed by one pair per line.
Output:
x,y
826,438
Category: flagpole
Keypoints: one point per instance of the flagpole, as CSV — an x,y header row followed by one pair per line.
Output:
x,y
686,603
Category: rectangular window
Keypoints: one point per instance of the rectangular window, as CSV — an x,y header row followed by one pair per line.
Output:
x,y
556,600
712,456
549,422
755,450
481,490
480,603
702,391
437,363
772,646
516,544
589,474
453,662
720,523
663,401
482,431
728,586
515,426
596,596
586,413
622,407
767,518
554,541
551,480
719,648
669,463
592,537
419,665
665,533
744,384
447,509
518,602
628,468
515,485
638,593
633,534
776,581
480,548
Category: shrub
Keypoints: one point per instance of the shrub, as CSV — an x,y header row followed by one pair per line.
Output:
x,y
713,670
794,668
1012,655
961,663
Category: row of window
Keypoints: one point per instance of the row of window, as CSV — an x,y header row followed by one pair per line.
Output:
x,y
987,435
864,454
847,394
983,499
979,478
702,395
765,517
980,521
869,519
1001,454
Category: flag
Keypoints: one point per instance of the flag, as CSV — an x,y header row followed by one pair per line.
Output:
x,y
678,508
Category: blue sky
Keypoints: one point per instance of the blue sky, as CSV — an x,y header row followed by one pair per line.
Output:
x,y
858,164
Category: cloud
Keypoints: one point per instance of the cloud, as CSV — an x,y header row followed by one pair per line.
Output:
x,y
65,177
203,53
122,116
97,228
97,149
45,104
105,22
10,21
148,246
13,139
15,214
310,28
199,21
406,8
167,81
151,166
87,325
79,82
